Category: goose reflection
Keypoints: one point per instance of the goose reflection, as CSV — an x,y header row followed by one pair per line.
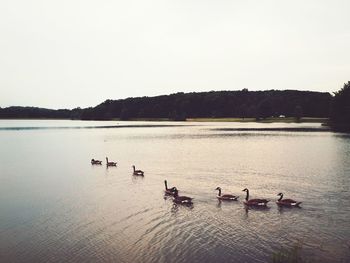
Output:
x,y
175,207
255,208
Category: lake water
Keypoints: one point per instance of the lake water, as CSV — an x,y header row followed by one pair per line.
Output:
x,y
56,207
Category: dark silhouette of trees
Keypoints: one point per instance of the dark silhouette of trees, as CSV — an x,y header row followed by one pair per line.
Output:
x,y
16,112
265,109
125,114
179,106
340,110
298,113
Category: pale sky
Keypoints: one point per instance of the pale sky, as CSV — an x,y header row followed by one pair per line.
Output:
x,y
70,53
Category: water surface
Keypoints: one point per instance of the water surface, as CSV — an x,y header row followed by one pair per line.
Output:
x,y
56,207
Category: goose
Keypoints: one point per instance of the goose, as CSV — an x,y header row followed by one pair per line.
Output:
x,y
287,202
169,191
93,161
254,202
181,199
137,172
110,163
225,197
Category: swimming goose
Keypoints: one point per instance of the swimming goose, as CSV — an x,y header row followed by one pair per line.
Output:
x,y
93,161
169,191
110,163
254,202
137,172
287,202
226,197
181,199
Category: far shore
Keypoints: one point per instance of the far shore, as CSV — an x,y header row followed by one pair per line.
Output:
x,y
266,120
322,127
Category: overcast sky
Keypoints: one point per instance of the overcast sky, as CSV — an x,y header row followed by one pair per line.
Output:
x,y
70,53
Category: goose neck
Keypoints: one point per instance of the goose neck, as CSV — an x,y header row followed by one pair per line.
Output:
x,y
281,196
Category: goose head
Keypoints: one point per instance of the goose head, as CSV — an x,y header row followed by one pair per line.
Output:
x,y
279,194
218,188
245,190
175,191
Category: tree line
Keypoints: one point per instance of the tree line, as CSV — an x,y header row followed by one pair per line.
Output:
x,y
340,109
215,104
179,106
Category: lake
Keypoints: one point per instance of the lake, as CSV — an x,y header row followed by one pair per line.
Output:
x,y
56,207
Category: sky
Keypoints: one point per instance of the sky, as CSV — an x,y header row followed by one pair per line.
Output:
x,y
78,53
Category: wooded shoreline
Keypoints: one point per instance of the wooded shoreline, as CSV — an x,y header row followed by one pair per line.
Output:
x,y
229,105
216,106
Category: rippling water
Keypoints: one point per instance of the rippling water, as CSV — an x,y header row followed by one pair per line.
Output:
x,y
56,207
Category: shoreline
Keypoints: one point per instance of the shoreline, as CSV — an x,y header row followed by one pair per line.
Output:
x,y
325,129
230,119
318,123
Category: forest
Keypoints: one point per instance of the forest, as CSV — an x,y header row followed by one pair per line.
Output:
x,y
179,106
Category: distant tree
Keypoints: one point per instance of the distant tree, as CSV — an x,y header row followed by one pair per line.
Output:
x,y
265,109
242,112
175,116
215,113
141,113
125,114
298,113
340,109
252,112
76,113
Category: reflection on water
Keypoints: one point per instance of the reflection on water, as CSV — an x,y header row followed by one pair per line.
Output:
x,y
55,206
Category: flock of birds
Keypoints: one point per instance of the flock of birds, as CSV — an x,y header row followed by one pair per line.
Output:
x,y
108,163
174,192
